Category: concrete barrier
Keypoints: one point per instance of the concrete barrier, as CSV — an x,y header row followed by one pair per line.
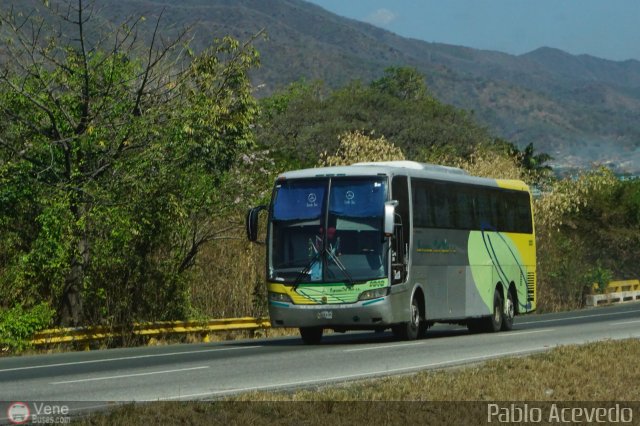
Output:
x,y
616,292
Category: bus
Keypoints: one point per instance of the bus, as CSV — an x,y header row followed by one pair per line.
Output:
x,y
396,245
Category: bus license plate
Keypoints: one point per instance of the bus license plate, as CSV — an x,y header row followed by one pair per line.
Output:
x,y
325,315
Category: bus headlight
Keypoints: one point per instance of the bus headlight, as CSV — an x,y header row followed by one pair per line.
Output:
x,y
374,294
279,297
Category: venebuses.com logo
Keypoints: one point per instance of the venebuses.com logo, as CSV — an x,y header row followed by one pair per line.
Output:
x,y
34,412
18,413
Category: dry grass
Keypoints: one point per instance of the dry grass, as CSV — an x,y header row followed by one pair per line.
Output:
x,y
230,279
604,371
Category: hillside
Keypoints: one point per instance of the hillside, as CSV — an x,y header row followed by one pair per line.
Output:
x,y
580,109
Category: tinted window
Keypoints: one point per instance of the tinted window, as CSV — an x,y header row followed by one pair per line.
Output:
x,y
459,206
299,199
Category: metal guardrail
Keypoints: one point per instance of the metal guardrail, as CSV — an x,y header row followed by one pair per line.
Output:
x,y
150,329
616,292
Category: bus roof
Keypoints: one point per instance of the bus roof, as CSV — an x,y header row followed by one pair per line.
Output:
x,y
404,168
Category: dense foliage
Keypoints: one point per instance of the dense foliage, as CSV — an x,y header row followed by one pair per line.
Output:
x,y
111,154
588,233
306,120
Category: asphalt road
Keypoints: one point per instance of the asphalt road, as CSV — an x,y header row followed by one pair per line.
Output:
x,y
212,370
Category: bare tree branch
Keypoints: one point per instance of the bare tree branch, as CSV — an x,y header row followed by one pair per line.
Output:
x,y
86,100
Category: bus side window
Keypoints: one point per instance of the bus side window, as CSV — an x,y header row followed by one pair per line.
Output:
x,y
440,202
508,207
487,213
523,213
464,212
421,208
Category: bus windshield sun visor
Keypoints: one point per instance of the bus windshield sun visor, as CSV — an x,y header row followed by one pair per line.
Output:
x,y
299,200
357,198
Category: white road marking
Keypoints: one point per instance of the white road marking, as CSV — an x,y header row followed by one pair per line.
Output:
x,y
626,322
124,376
519,333
398,345
361,375
95,361
385,346
577,317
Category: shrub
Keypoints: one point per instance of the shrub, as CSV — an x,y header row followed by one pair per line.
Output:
x,y
584,236
357,147
18,324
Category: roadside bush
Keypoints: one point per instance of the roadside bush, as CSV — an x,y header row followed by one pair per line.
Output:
x,y
587,232
598,278
357,147
18,324
229,273
230,279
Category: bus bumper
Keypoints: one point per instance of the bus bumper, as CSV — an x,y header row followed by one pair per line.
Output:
x,y
368,314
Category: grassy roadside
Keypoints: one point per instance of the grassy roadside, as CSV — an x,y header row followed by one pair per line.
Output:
x,y
604,371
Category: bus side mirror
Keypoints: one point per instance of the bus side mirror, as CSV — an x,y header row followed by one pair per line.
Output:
x,y
389,217
251,222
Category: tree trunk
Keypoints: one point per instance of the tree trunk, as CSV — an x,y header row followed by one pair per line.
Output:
x,y
71,309
71,312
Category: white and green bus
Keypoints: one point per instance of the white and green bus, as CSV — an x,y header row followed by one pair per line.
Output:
x,y
399,245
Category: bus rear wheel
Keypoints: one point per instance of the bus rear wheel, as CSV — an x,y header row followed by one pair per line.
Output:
x,y
494,322
311,335
510,312
410,330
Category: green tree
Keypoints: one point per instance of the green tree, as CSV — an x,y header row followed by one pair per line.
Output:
x,y
306,120
402,82
111,153
536,163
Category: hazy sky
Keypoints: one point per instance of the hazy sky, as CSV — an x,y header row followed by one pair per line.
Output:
x,y
605,28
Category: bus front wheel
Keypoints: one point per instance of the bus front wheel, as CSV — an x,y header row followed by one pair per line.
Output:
x,y
311,335
410,330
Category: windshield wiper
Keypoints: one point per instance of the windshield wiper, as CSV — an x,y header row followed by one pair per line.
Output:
x,y
306,269
331,255
340,266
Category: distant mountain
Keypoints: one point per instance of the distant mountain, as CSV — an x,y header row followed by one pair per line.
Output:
x,y
580,109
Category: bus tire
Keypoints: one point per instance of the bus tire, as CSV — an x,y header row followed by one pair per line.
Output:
x,y
311,335
509,312
410,330
495,321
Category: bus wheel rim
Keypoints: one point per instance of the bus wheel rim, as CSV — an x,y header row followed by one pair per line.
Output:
x,y
415,315
510,308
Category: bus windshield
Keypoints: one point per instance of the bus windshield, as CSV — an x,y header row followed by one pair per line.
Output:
x,y
328,230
